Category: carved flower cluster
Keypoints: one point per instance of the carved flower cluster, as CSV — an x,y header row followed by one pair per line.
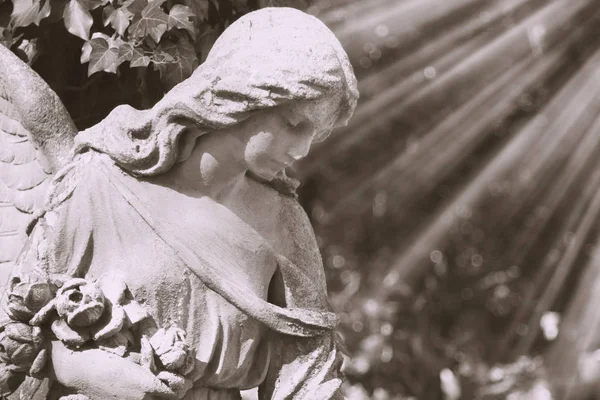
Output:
x,y
21,353
81,312
167,354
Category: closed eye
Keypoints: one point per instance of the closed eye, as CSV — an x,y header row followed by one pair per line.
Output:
x,y
297,122
292,124
301,127
292,119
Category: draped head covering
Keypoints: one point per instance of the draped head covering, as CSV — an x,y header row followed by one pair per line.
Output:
x,y
267,58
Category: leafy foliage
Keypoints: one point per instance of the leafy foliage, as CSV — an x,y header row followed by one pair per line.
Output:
x,y
161,40
102,57
97,54
27,12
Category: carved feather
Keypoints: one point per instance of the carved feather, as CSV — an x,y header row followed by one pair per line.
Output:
x,y
36,135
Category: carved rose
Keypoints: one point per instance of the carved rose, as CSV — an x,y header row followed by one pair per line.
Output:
x,y
27,298
9,380
170,348
19,345
80,303
21,353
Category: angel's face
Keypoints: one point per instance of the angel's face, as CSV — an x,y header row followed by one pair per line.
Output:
x,y
279,137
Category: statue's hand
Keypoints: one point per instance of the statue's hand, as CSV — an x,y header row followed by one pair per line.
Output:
x,y
101,375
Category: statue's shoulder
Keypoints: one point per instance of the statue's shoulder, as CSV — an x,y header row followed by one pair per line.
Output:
x,y
282,208
293,229
86,177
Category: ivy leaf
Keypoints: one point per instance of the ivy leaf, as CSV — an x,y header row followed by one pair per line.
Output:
x,y
199,8
185,61
125,52
78,19
27,12
152,22
135,55
139,59
119,18
135,6
93,4
86,49
58,8
102,57
205,41
6,37
159,56
225,8
182,17
115,41
28,50
106,13
241,6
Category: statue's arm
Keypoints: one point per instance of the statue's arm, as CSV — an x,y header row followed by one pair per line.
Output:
x,y
302,368
62,243
102,375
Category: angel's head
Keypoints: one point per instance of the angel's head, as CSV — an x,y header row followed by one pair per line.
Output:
x,y
277,71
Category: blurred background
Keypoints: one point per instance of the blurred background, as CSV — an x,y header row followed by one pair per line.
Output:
x,y
456,213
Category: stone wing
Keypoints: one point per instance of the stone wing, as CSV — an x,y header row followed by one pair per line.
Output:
x,y
24,176
36,136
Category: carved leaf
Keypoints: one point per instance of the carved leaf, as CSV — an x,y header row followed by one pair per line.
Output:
x,y
78,19
119,18
27,12
102,57
182,17
152,22
185,61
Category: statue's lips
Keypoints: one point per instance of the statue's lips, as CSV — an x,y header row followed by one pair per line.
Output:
x,y
280,164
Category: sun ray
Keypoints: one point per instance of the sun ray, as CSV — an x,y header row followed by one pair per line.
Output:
x,y
472,153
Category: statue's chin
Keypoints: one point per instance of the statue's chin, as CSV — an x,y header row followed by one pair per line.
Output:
x,y
261,177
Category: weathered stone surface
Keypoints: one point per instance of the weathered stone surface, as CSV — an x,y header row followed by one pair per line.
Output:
x,y
179,263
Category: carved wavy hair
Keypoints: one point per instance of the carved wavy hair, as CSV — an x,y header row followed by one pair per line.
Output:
x,y
265,59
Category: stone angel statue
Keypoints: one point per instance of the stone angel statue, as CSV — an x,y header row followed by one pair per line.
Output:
x,y
165,254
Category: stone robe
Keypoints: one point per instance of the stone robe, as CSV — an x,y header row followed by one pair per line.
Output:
x,y
253,316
